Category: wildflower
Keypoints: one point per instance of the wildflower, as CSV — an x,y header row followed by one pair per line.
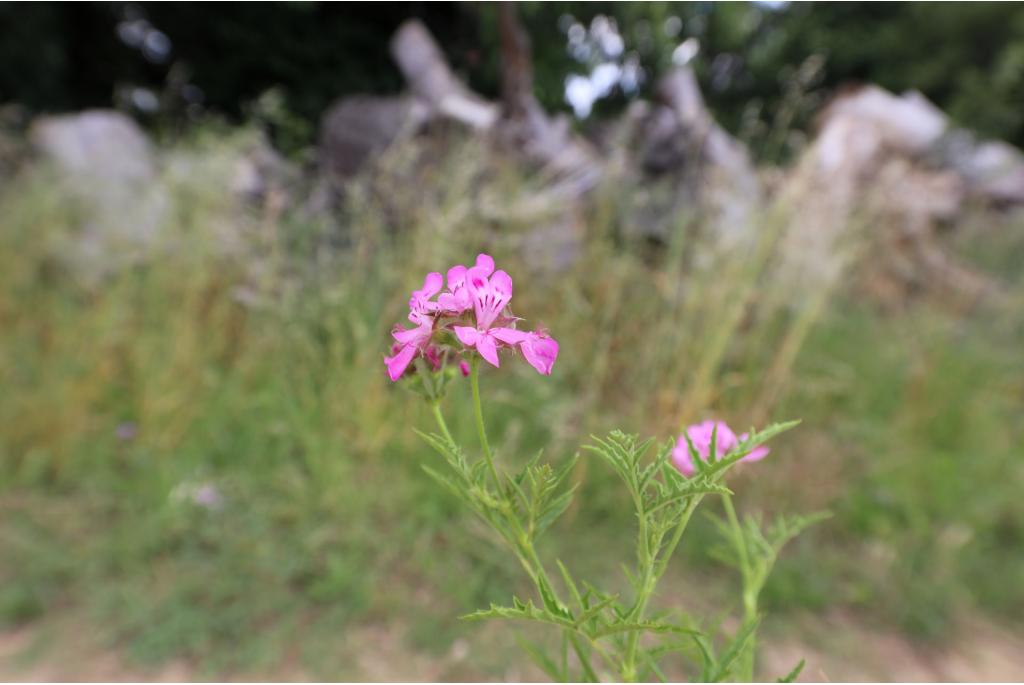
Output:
x,y
539,348
409,342
489,297
126,431
203,495
474,307
457,299
419,302
700,435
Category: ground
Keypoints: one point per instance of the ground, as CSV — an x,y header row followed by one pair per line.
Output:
x,y
837,647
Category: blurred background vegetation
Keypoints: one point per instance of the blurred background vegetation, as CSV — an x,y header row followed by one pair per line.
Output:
x,y
202,463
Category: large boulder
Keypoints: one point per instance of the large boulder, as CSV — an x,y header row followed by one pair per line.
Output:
x,y
357,128
102,144
105,164
993,170
868,189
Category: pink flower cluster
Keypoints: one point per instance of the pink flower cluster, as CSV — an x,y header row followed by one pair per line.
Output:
x,y
700,436
473,307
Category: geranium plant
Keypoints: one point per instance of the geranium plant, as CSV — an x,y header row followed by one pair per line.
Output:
x,y
464,318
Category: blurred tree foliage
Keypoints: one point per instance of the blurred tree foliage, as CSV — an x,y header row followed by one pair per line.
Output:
x,y
966,57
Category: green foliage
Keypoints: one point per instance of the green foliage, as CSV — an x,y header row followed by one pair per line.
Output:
x,y
258,370
520,507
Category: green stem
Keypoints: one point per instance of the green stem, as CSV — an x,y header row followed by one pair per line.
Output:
x,y
644,591
652,575
435,407
749,590
524,549
474,382
588,669
539,575
677,536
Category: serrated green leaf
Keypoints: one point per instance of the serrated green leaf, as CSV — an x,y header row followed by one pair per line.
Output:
x,y
645,626
551,603
444,481
696,486
520,610
553,509
733,651
593,611
787,528
570,584
755,439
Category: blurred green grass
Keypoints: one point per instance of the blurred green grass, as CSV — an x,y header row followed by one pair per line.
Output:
x,y
256,369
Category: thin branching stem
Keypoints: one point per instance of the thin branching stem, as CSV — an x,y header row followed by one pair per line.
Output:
x,y
435,407
474,381
652,574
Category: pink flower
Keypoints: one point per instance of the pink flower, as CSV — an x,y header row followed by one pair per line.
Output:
x,y
410,341
489,297
489,327
541,351
700,435
457,299
486,342
419,302
539,348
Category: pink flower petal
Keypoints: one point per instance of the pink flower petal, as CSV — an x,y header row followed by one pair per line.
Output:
x,y
509,336
456,302
488,350
540,351
432,284
756,454
501,283
415,336
700,435
467,335
419,301
476,279
681,458
398,363
456,277
484,261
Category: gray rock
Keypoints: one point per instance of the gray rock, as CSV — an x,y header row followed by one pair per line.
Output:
x,y
357,128
868,191
104,163
993,170
96,143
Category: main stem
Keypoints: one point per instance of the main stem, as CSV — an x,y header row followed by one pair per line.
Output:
x,y
527,554
474,382
749,591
